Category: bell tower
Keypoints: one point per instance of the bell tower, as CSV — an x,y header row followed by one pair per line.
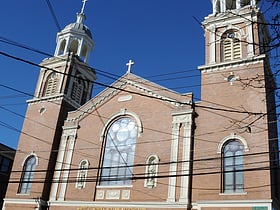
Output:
x,y
65,83
236,55
238,116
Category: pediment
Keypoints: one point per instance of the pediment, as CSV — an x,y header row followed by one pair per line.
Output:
x,y
129,85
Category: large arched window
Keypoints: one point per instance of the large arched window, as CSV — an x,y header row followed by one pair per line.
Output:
x,y
233,176
230,46
27,175
118,158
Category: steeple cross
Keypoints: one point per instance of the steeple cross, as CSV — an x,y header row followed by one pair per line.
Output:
x,y
83,7
129,65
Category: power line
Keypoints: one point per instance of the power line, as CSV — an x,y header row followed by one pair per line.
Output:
x,y
109,75
198,161
53,15
245,111
14,43
106,74
132,92
141,175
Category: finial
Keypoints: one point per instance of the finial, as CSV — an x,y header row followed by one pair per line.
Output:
x,y
81,16
129,65
83,7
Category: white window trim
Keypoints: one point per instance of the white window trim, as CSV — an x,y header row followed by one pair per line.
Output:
x,y
122,113
23,172
148,173
79,184
232,136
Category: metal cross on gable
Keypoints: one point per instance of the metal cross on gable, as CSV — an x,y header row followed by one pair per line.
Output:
x,y
129,65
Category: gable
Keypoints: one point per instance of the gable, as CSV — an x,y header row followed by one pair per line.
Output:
x,y
133,89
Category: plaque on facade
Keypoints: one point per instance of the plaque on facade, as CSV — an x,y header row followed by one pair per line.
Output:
x,y
113,194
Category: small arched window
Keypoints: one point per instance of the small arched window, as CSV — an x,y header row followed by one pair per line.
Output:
x,y
151,171
230,46
84,52
62,47
118,158
82,174
233,175
51,85
27,175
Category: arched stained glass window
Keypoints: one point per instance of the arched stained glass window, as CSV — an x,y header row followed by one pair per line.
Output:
x,y
117,167
233,176
27,175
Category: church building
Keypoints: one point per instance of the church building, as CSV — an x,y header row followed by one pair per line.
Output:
x,y
140,146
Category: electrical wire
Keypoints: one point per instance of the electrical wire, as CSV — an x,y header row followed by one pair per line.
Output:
x,y
53,15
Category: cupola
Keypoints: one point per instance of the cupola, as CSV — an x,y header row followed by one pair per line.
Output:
x,y
75,38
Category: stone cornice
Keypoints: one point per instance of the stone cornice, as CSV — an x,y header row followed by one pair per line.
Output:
x,y
53,98
234,63
220,18
47,98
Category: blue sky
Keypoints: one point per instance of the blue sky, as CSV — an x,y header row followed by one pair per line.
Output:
x,y
163,37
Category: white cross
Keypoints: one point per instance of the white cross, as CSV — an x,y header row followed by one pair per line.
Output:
x,y
129,65
83,7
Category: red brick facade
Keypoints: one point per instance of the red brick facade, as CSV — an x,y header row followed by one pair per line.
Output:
x,y
175,151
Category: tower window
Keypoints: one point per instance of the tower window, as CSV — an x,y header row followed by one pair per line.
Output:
x,y
233,181
78,90
230,4
62,47
84,52
217,6
27,175
231,46
74,46
118,159
51,85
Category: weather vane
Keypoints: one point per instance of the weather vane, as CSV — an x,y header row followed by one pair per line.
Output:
x,y
83,7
